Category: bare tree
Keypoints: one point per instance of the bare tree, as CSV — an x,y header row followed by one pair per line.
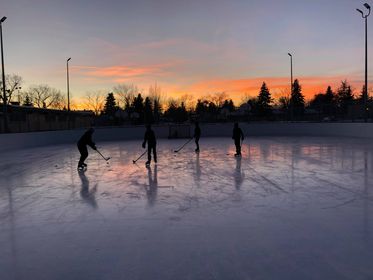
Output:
x,y
245,98
188,100
156,94
281,96
43,96
13,82
95,101
125,93
219,98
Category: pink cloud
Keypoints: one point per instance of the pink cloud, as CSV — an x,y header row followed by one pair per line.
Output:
x,y
122,73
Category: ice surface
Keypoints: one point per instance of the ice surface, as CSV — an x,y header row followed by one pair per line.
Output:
x,y
291,208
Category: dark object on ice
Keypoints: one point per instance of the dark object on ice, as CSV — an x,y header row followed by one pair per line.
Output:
x,y
105,158
149,138
84,141
134,161
178,150
197,135
237,137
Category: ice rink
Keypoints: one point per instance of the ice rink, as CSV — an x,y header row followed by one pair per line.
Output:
x,y
291,208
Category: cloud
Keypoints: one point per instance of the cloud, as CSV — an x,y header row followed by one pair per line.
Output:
x,y
122,73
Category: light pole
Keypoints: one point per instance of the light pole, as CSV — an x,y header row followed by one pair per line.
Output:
x,y
68,93
19,95
3,75
68,84
365,94
291,84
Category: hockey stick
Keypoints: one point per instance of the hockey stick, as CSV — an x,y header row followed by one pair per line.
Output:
x,y
176,151
106,159
134,161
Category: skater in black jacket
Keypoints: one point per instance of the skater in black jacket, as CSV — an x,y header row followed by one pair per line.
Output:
x,y
152,143
237,137
197,135
85,140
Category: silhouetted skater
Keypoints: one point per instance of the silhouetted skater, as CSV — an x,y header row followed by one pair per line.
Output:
x,y
85,140
197,135
237,137
152,143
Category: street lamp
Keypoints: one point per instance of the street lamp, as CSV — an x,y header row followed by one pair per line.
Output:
x,y
19,95
291,83
291,72
68,85
3,75
365,93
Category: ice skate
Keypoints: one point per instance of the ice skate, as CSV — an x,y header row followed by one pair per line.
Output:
x,y
82,167
147,163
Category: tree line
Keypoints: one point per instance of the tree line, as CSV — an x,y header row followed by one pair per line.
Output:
x,y
40,96
331,104
126,102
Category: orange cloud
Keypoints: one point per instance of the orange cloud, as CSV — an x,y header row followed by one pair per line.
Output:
x,y
124,73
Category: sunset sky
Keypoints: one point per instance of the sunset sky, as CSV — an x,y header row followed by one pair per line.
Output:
x,y
195,47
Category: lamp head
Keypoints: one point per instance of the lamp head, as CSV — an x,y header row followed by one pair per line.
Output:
x,y
360,11
69,59
3,19
366,5
289,54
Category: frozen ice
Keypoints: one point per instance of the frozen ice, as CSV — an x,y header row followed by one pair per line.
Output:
x,y
290,208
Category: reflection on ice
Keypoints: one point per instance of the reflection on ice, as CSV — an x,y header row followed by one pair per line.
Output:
x,y
290,208
87,194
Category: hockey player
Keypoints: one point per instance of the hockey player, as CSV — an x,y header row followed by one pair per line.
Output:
x,y
149,138
197,135
85,140
237,137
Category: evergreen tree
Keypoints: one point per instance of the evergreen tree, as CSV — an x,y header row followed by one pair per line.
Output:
x,y
201,107
229,105
138,104
329,96
27,101
264,101
324,102
148,112
297,99
360,99
182,115
344,97
110,105
156,110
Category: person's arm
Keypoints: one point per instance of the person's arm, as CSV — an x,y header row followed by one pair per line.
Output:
x,y
242,136
91,143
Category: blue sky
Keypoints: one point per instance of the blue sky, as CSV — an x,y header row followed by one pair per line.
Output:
x,y
192,47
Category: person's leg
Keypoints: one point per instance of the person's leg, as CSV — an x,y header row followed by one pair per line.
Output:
x,y
83,155
237,144
149,154
197,143
238,147
155,153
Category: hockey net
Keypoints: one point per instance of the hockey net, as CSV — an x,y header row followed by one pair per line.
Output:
x,y
179,131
